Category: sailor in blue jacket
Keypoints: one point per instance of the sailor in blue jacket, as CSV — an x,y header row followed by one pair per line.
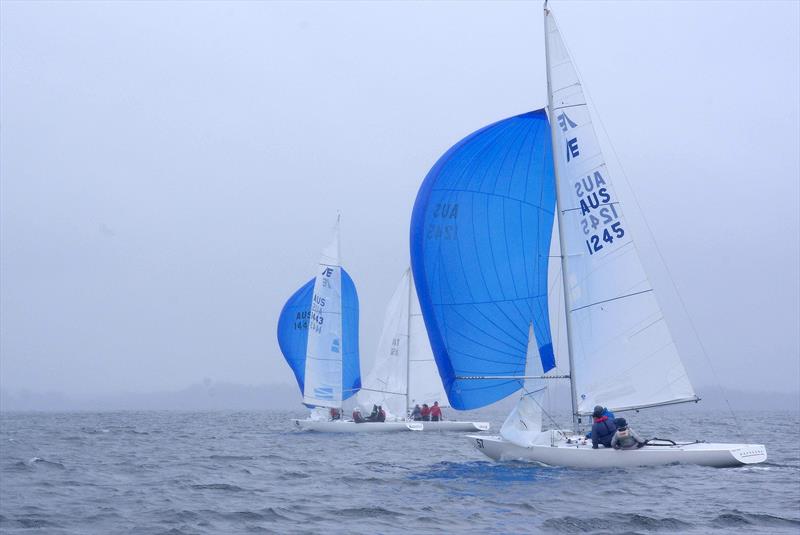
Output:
x,y
606,412
603,428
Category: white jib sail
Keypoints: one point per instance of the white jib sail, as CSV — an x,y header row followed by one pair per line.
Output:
x,y
386,383
523,426
623,354
424,383
323,374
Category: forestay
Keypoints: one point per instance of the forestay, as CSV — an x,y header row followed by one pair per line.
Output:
x,y
480,236
623,354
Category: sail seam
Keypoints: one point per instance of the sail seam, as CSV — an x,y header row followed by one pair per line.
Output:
x,y
521,201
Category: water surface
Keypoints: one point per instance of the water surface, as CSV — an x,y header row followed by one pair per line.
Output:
x,y
250,472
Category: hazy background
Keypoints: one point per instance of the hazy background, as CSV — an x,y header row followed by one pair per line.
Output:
x,y
170,172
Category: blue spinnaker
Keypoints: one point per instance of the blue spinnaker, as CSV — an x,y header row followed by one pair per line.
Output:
x,y
480,241
293,334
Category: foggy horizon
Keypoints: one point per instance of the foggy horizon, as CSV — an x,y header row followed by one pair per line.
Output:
x,y
169,176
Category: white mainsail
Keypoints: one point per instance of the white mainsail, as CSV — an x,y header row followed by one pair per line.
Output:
x,y
323,373
386,384
623,355
405,371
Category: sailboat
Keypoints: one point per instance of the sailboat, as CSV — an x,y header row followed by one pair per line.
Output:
x,y
481,234
318,336
405,372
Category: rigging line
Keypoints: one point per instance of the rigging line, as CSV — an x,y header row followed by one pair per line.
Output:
x,y
657,248
544,411
493,301
609,300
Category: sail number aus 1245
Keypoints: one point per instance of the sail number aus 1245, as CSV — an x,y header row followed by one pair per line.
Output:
x,y
594,243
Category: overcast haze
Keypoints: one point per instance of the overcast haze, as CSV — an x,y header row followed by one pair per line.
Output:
x,y
170,171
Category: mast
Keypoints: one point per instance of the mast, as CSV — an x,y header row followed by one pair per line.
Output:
x,y
341,308
408,342
562,247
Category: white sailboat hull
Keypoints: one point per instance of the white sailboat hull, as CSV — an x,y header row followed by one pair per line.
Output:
x,y
453,425
348,426
583,456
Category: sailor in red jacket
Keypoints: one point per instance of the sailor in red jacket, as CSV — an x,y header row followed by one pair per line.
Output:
x,y
426,413
436,412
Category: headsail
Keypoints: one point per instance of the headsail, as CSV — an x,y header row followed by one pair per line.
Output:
x,y
623,354
480,237
523,426
318,334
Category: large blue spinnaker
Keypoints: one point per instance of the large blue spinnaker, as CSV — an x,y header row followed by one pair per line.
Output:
x,y
480,241
293,334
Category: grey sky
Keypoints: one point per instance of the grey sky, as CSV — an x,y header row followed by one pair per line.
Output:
x,y
170,171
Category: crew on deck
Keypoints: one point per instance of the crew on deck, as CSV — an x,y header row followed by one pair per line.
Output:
x,y
625,438
603,428
436,412
425,413
416,414
606,412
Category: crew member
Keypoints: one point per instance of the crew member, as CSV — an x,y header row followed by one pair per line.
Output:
x,y
625,438
603,429
436,412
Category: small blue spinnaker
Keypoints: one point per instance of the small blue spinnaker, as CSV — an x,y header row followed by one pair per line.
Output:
x,y
480,241
293,334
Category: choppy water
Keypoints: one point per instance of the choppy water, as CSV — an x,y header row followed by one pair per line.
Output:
x,y
169,472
